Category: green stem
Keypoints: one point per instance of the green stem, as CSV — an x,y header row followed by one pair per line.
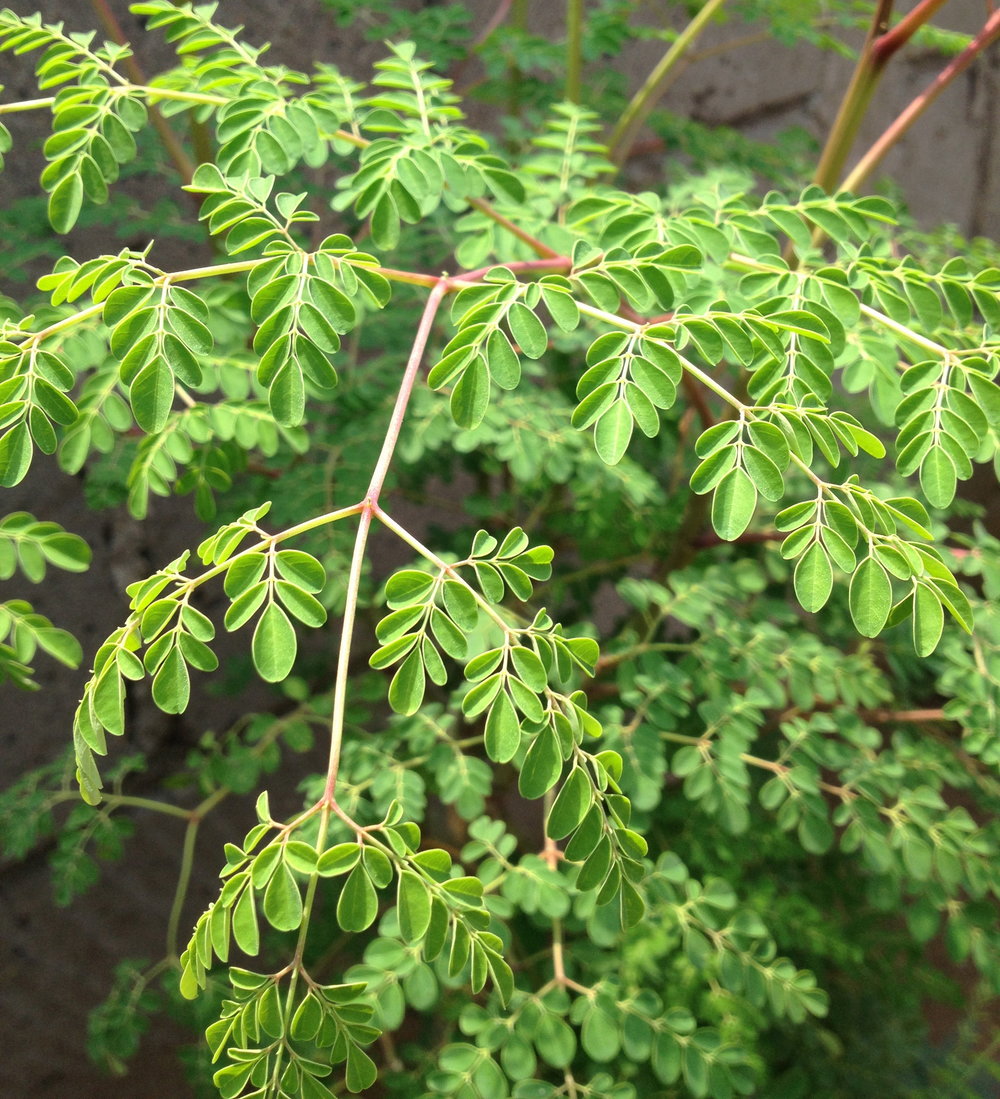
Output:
x,y
646,98
870,161
195,98
126,801
295,966
450,570
904,332
176,276
115,801
183,880
289,532
706,379
27,105
368,508
574,50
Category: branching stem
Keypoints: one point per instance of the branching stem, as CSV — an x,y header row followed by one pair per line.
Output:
x,y
881,44
892,134
367,508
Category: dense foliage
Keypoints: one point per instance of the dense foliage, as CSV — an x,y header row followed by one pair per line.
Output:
x,y
676,737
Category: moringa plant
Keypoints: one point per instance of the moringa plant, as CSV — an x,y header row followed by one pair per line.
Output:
x,y
553,858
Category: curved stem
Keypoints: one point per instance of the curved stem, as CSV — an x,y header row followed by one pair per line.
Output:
x,y
183,880
656,84
126,801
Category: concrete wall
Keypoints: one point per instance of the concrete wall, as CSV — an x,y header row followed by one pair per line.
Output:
x,y
56,964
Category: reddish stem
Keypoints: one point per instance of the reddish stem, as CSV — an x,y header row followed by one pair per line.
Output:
x,y
501,13
917,717
540,266
369,508
892,40
870,161
533,243
881,43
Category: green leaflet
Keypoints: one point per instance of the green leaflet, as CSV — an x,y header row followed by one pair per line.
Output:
x,y
542,765
406,691
570,806
274,644
613,431
938,478
358,903
928,620
413,907
813,578
870,597
733,504
152,395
